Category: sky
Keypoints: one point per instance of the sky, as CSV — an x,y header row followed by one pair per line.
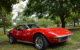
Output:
x,y
19,7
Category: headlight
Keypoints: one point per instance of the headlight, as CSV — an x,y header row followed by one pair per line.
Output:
x,y
53,33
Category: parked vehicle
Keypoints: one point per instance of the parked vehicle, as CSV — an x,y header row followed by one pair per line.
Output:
x,y
40,37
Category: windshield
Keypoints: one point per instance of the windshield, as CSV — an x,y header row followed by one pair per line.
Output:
x,y
27,26
33,26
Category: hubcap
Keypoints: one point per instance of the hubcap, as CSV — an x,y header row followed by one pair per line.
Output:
x,y
11,40
39,42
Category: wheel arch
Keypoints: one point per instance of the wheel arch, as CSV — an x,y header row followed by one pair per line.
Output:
x,y
40,34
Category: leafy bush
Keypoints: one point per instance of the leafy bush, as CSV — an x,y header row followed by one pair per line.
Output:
x,y
23,20
41,22
45,22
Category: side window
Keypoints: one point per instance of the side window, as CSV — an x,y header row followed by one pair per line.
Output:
x,y
30,26
18,28
22,27
25,26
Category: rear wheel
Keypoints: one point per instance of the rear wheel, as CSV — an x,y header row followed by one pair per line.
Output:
x,y
11,39
40,42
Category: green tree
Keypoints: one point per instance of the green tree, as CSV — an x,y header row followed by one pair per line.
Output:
x,y
5,9
60,8
45,22
20,19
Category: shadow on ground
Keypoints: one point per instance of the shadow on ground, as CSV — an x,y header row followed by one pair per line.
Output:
x,y
3,43
53,46
24,43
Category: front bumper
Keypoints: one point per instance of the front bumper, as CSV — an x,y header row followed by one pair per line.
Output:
x,y
63,38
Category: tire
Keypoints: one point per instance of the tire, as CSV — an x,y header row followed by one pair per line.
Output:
x,y
11,39
40,42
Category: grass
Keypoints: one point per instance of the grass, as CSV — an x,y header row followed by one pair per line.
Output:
x,y
72,44
72,27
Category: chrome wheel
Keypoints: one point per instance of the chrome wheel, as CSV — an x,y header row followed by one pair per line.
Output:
x,y
39,42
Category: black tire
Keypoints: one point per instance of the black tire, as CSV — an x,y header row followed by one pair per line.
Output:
x,y
42,43
11,39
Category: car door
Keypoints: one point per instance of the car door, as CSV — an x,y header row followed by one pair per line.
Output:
x,y
19,32
22,33
25,33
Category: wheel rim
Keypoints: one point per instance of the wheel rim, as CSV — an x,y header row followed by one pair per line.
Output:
x,y
39,42
11,39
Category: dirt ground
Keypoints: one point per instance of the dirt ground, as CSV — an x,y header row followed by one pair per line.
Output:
x,y
3,43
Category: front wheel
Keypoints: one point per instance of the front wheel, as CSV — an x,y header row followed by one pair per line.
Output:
x,y
40,42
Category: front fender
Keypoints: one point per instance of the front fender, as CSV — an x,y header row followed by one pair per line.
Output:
x,y
46,33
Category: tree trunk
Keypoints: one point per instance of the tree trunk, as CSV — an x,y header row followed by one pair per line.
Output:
x,y
62,15
74,23
4,27
78,22
62,20
63,23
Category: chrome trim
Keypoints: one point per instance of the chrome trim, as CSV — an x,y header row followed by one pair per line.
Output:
x,y
63,36
25,41
62,39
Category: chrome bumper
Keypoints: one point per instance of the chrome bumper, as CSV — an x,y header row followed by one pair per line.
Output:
x,y
63,38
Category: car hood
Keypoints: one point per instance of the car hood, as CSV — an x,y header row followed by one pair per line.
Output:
x,y
59,31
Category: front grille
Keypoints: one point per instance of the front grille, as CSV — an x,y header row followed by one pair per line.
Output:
x,y
62,39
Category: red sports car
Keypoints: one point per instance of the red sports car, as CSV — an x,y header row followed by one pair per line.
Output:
x,y
40,37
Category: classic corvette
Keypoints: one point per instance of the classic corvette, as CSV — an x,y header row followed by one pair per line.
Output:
x,y
40,37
